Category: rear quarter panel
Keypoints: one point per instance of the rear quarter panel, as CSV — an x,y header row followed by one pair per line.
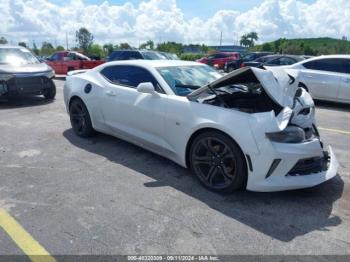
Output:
x,y
74,87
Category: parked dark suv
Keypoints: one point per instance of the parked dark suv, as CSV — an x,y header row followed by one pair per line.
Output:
x,y
274,60
139,54
237,63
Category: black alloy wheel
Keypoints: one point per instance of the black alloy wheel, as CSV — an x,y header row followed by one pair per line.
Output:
x,y
218,162
80,119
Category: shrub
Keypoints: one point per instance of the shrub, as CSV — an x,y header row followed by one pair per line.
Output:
x,y
190,57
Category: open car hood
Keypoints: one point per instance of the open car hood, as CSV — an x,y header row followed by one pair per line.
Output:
x,y
279,84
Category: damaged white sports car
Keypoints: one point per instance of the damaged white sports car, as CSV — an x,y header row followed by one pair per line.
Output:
x,y
252,128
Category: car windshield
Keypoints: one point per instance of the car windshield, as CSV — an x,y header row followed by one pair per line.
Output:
x,y
170,56
184,79
153,56
17,56
265,59
249,57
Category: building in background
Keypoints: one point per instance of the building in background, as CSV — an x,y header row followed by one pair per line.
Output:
x,y
229,48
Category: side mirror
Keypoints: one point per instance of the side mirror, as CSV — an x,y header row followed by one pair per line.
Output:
x,y
146,88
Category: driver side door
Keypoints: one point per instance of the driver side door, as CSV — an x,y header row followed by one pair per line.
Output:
x,y
129,114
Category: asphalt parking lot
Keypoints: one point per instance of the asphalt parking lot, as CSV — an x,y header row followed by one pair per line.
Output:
x,y
106,196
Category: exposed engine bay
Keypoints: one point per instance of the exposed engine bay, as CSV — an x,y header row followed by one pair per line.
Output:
x,y
265,91
243,92
248,98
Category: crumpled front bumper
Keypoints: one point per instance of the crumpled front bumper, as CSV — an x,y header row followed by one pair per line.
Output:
x,y
280,179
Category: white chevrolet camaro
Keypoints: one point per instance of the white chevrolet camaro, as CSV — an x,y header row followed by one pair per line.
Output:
x,y
252,128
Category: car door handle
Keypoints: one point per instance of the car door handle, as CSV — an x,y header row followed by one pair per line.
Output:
x,y
346,80
309,76
110,93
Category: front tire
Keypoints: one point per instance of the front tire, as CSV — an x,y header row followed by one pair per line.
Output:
x,y
218,162
50,92
80,119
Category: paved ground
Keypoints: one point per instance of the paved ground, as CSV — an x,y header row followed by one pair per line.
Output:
x,y
106,196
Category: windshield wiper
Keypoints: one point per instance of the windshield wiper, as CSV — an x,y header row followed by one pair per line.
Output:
x,y
187,86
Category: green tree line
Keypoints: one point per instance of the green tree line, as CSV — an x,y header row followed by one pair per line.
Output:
x,y
86,45
312,47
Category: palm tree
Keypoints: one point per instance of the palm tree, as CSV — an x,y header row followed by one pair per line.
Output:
x,y
253,36
245,41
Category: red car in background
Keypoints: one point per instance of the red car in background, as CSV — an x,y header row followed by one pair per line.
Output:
x,y
218,60
65,61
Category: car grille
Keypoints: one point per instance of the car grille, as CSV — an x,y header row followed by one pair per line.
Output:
x,y
309,166
27,85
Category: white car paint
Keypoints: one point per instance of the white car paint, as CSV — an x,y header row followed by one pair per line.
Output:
x,y
325,85
164,123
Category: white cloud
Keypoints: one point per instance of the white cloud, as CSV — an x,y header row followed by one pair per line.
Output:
x,y
162,20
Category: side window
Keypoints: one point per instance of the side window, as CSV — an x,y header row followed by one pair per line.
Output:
x,y
55,57
115,56
135,55
221,55
346,66
124,56
330,65
286,61
130,76
71,56
130,55
261,59
274,62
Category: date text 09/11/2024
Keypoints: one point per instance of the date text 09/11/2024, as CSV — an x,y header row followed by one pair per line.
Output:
x,y
172,258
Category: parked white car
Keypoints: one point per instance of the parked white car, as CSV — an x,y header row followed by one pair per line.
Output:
x,y
326,77
252,128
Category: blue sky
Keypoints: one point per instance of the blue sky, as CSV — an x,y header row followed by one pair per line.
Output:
x,y
185,21
194,8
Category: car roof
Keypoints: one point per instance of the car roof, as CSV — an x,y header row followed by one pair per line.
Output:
x,y
154,63
282,55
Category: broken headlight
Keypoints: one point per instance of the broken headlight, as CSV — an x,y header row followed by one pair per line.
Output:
x,y
292,134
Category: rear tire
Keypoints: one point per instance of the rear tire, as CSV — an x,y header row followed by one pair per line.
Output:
x,y
230,69
50,92
80,119
218,162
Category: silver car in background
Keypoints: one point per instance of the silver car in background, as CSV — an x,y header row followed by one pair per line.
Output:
x,y
326,77
21,73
